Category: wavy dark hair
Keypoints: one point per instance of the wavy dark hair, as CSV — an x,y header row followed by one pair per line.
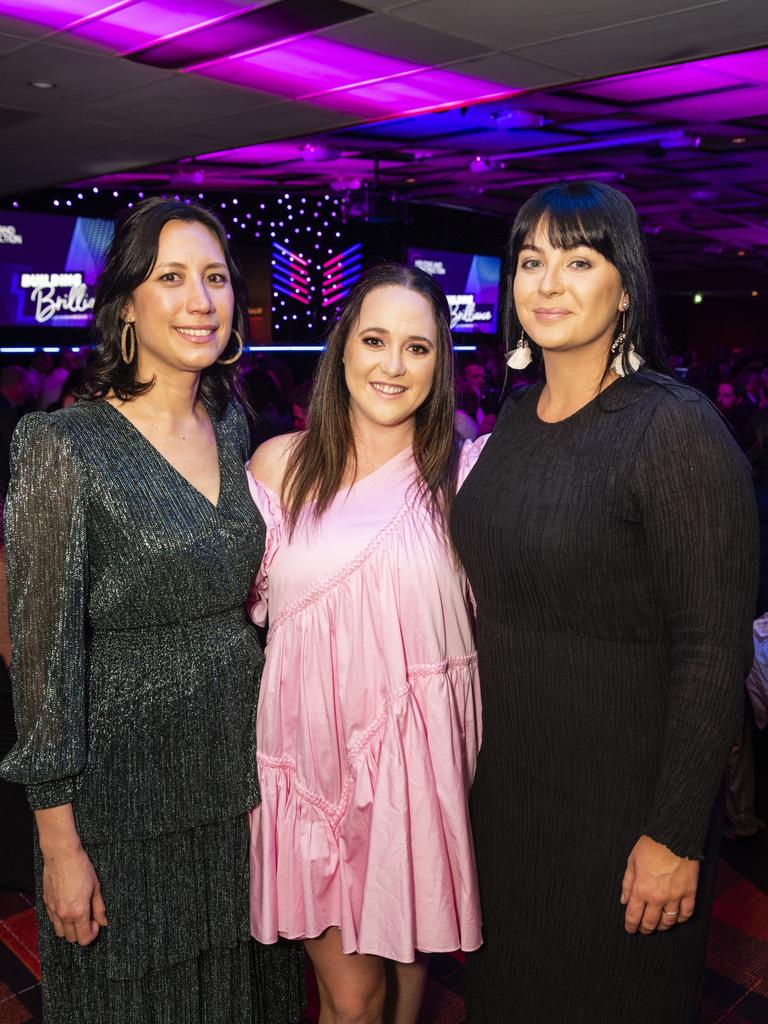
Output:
x,y
320,457
131,257
593,214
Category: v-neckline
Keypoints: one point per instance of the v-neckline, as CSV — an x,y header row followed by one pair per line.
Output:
x,y
215,505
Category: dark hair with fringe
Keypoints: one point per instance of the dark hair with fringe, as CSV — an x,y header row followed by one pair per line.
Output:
x,y
131,257
602,218
321,456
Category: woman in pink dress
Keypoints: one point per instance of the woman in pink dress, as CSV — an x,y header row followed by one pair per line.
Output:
x,y
369,711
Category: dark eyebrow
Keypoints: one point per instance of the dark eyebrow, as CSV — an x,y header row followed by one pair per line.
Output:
x,y
182,266
571,248
383,330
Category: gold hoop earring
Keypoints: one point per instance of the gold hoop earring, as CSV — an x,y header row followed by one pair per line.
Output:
x,y
128,342
236,356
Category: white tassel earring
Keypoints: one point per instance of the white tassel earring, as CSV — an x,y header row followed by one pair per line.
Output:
x,y
520,356
634,361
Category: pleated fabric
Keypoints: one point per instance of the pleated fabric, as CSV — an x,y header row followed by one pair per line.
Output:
x,y
136,676
613,558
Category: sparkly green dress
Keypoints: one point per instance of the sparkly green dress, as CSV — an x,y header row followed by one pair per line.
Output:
x,y
136,676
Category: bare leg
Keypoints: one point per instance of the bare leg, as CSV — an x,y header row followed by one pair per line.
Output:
x,y
352,985
405,989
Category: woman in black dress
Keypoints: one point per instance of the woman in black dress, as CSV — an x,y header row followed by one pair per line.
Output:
x,y
609,533
132,543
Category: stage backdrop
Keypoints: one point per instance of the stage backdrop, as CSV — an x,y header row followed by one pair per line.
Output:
x,y
471,284
49,265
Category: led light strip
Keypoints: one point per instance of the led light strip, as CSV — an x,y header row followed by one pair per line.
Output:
x,y
248,348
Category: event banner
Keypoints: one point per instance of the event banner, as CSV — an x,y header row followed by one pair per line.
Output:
x,y
471,284
49,265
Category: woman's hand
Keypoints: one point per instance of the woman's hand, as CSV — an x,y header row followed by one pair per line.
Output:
x,y
71,891
658,888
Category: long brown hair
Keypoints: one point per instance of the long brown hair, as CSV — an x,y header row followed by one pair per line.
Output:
x,y
320,457
132,256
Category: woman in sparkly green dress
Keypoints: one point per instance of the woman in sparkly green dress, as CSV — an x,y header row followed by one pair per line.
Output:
x,y
132,542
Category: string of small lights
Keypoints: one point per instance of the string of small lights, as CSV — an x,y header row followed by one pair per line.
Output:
x,y
303,231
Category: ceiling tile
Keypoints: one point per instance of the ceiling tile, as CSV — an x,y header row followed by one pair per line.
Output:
x,y
10,43
278,121
511,70
651,41
179,100
408,41
78,79
56,133
22,28
137,151
384,5
728,105
499,26
680,80
10,116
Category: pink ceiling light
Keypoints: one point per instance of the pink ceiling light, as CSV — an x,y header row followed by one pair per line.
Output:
x,y
350,79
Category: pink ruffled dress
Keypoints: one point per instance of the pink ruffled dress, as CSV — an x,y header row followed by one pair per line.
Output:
x,y
368,726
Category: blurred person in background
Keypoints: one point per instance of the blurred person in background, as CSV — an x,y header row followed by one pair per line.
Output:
x,y
730,399
300,399
270,413
14,396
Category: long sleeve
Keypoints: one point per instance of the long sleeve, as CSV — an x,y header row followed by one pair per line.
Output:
x,y
698,512
47,585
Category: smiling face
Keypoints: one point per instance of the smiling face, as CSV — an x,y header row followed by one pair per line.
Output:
x,y
390,357
183,311
566,298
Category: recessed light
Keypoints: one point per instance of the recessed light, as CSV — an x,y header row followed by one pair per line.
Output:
x,y
739,140
40,84
755,294
740,252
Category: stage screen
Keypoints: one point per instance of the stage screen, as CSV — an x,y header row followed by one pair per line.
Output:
x,y
471,284
48,268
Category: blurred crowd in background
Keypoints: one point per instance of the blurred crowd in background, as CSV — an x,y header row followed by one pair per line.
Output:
x,y
736,381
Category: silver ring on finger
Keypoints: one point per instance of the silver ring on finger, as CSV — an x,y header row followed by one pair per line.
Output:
x,y
671,913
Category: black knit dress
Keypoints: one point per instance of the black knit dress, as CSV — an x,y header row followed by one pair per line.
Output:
x,y
136,675
613,557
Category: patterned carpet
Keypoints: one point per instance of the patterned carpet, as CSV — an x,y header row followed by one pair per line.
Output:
x,y
736,990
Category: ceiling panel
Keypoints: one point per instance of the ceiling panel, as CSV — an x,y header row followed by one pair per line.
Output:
x,y
274,122
730,105
10,116
511,70
33,137
386,34
77,80
10,43
665,83
647,42
499,26
179,100
21,28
